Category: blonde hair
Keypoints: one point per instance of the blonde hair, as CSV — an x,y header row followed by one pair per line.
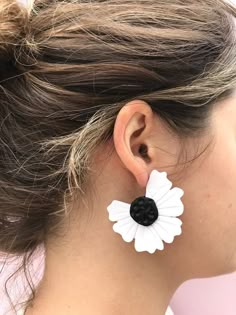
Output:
x,y
68,67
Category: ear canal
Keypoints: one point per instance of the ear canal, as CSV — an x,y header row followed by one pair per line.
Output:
x,y
143,150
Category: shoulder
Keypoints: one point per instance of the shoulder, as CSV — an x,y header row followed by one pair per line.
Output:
x,y
169,311
20,312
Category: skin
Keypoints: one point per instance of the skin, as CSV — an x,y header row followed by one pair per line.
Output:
x,y
91,270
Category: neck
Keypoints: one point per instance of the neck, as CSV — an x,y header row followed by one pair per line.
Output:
x,y
104,281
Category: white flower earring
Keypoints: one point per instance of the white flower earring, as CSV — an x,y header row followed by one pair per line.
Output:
x,y
150,219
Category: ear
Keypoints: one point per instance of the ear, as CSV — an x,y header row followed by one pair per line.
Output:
x,y
133,127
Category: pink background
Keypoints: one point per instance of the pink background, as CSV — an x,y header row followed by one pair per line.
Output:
x,y
211,296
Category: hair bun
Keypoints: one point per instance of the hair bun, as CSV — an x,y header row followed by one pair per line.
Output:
x,y
13,18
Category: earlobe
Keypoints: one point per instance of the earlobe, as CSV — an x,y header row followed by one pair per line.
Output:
x,y
127,136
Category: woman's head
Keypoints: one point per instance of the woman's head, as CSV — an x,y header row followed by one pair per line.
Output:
x,y
150,84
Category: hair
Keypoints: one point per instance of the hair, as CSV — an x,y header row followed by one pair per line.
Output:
x,y
68,67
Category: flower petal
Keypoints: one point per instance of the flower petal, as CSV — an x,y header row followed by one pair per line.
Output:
x,y
129,234
158,241
165,235
146,239
150,240
139,243
118,210
123,226
171,211
158,185
172,229
171,220
171,204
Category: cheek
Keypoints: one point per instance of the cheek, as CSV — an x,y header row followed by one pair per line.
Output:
x,y
210,209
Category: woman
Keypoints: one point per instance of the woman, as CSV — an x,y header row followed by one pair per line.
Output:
x,y
118,117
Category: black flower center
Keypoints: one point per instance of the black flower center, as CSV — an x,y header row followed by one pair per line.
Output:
x,y
144,210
